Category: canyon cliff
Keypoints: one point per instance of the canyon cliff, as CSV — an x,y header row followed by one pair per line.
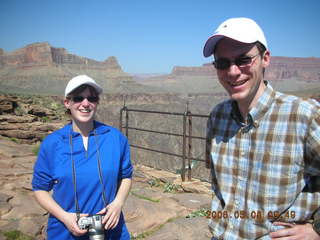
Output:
x,y
41,68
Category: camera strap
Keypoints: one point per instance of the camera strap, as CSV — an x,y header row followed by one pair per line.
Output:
x,y
74,179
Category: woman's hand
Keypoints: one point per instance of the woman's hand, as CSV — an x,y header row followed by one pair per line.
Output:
x,y
111,215
113,211
70,221
45,199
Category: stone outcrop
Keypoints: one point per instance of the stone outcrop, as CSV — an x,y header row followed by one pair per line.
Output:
x,y
7,104
23,119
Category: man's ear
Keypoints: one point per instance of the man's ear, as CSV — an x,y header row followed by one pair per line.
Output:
x,y
266,59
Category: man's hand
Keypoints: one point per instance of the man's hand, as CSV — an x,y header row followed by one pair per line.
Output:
x,y
294,232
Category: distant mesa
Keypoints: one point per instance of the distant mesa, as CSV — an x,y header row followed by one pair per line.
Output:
x,y
42,68
205,70
286,74
281,68
42,54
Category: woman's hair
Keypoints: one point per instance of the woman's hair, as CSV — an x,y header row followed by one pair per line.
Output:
x,y
78,91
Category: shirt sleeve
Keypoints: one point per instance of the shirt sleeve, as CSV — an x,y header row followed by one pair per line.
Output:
x,y
42,172
126,168
313,146
208,142
313,159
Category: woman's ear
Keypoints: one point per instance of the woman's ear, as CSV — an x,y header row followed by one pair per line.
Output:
x,y
66,103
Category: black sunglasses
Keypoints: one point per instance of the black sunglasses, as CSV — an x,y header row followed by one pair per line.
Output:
x,y
78,99
224,63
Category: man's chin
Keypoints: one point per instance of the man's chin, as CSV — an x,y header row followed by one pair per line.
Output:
x,y
238,96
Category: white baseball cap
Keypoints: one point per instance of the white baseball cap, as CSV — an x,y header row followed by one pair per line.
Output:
x,y
81,80
240,29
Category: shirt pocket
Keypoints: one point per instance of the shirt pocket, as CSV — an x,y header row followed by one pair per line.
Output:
x,y
283,180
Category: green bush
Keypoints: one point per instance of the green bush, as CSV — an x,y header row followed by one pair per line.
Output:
x,y
16,235
171,187
154,182
45,119
12,139
36,149
199,213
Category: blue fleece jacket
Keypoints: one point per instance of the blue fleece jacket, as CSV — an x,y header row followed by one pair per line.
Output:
x,y
53,171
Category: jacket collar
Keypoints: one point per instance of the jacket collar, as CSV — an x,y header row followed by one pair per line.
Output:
x,y
99,128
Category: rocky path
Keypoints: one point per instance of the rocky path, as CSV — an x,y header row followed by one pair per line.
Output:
x,y
156,209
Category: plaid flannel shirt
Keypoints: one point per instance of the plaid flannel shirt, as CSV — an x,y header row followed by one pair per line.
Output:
x,y
265,170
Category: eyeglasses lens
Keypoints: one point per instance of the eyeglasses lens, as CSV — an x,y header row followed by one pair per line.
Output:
x,y
224,63
78,99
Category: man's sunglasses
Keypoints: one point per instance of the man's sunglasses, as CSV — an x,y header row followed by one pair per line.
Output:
x,y
224,63
78,99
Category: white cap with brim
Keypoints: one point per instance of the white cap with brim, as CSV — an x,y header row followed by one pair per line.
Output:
x,y
81,80
240,29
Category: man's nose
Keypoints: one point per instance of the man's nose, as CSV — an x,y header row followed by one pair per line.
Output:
x,y
234,69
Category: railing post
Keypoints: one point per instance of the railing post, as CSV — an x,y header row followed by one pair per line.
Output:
x,y
127,121
121,114
183,170
120,120
189,144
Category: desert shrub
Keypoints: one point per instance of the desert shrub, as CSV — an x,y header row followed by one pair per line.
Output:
x,y
198,213
35,149
16,235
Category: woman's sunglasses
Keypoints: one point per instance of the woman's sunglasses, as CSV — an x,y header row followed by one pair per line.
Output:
x,y
224,63
78,99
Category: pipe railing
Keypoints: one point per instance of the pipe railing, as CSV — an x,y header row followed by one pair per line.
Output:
x,y
186,135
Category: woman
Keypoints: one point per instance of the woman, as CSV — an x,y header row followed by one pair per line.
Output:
x,y
87,165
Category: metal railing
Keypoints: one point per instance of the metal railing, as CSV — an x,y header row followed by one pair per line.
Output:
x,y
186,135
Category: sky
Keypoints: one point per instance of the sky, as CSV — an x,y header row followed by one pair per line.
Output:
x,y
153,36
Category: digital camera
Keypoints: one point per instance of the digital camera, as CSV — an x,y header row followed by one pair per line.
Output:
x,y
94,225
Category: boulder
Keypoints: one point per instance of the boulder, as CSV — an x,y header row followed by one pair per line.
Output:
x,y
7,104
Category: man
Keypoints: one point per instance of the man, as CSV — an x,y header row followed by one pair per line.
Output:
x,y
264,146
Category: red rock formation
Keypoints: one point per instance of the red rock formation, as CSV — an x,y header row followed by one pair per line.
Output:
x,y
34,54
41,68
205,70
42,54
304,69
